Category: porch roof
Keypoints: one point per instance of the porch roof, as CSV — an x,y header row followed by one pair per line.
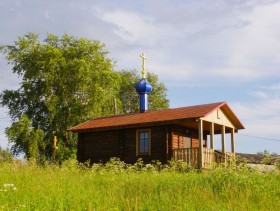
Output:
x,y
160,117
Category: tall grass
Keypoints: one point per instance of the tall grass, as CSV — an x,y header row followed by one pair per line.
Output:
x,y
115,186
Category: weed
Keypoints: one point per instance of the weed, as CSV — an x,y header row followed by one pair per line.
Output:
x,y
119,186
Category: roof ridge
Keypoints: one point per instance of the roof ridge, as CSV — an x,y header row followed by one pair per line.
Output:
x,y
219,106
118,115
154,111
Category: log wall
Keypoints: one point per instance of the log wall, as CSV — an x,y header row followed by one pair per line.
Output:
x,y
98,146
102,145
179,133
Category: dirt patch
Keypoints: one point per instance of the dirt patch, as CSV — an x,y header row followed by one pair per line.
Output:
x,y
262,167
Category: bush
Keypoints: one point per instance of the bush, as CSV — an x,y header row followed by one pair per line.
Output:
x,y
178,165
240,160
277,163
115,165
5,155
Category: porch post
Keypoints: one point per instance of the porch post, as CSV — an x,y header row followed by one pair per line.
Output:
x,y
223,140
212,135
200,137
232,141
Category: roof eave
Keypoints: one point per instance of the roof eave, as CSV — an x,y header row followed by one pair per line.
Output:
x,y
139,125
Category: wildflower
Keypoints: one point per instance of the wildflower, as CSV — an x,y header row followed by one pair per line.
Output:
x,y
8,185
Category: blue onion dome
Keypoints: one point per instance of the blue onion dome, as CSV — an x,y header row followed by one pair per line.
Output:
x,y
143,87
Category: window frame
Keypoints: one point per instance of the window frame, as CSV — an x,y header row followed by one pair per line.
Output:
x,y
138,132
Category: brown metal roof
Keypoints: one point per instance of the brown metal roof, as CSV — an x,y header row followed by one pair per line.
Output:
x,y
155,117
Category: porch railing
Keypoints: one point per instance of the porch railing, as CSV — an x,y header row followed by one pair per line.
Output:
x,y
227,157
188,155
208,156
191,156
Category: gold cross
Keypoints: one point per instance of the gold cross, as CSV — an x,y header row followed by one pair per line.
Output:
x,y
143,65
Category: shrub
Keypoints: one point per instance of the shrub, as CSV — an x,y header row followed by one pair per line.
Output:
x,y
5,155
267,160
240,160
277,163
70,165
178,165
115,165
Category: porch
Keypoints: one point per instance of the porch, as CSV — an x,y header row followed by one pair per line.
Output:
x,y
193,146
210,156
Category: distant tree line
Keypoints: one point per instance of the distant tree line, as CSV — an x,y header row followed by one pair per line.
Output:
x,y
65,81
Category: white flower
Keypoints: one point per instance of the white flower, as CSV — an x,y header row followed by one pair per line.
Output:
x,y
8,185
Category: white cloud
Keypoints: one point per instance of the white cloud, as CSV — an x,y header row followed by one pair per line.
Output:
x,y
231,40
260,94
130,27
256,46
260,117
274,87
47,14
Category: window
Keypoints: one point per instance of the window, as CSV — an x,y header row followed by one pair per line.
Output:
x,y
143,142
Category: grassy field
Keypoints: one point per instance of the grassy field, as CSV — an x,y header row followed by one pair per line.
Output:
x,y
111,187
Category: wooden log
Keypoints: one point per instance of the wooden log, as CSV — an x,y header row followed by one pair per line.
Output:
x,y
212,135
200,135
232,141
223,140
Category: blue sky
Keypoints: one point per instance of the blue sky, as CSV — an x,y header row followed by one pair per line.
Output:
x,y
204,51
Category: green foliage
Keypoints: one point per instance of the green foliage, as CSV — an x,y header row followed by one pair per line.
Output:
x,y
5,155
26,139
74,186
277,163
128,95
178,165
269,158
158,97
240,160
65,81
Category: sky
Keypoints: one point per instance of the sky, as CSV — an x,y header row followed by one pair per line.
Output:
x,y
203,51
